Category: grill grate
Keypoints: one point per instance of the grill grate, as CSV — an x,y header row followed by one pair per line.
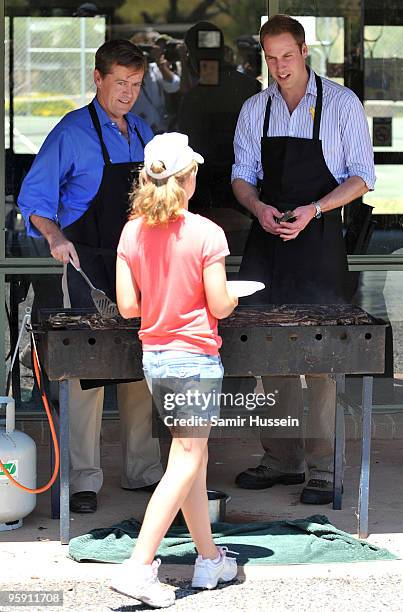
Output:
x,y
277,340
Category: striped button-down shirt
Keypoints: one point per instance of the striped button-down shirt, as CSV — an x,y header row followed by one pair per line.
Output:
x,y
344,132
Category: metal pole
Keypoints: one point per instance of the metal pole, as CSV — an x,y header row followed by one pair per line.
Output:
x,y
55,490
11,82
338,448
2,333
14,334
2,213
29,67
82,62
363,500
64,461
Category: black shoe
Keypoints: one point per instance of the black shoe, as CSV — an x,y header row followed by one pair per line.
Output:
x,y
318,492
83,502
147,488
262,477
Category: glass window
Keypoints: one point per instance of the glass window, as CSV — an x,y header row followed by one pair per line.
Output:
x,y
384,108
53,62
51,55
325,40
49,63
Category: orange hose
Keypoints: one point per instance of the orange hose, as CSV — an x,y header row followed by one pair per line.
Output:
x,y
54,438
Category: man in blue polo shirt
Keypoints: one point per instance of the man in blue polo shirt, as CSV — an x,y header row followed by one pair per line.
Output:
x,y
76,196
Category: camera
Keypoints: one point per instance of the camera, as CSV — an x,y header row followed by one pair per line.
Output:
x,y
171,51
146,49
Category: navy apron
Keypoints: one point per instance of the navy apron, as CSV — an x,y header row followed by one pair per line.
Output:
x,y
311,269
96,233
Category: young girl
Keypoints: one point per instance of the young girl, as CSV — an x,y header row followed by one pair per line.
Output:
x,y
171,272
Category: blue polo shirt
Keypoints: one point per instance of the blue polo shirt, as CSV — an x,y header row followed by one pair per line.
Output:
x,y
67,171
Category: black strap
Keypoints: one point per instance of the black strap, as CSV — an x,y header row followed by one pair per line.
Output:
x,y
317,116
97,126
267,118
318,107
140,137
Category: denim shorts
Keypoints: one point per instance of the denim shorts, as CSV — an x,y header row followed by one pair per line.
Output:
x,y
184,384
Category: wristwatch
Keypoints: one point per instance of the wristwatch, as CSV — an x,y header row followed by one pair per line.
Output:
x,y
318,213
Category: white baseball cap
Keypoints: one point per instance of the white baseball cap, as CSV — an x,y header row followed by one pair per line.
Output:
x,y
172,149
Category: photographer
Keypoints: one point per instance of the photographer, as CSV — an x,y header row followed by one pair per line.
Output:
x,y
209,112
249,56
159,82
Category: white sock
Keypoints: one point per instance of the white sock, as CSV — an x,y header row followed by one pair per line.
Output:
x,y
216,560
140,565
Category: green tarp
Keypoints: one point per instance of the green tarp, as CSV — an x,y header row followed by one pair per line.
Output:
x,y
309,540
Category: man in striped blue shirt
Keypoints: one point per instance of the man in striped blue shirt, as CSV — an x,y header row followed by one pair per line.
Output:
x,y
302,146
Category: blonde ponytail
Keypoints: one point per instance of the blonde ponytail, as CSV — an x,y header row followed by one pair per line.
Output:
x,y
160,201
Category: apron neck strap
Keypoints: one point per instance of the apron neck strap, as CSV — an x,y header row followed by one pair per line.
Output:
x,y
139,136
97,126
266,118
318,111
318,107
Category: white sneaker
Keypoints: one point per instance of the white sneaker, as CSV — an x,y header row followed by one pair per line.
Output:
x,y
141,582
208,573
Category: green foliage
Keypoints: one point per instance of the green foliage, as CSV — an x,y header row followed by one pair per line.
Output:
x,y
158,10
246,17
234,17
38,107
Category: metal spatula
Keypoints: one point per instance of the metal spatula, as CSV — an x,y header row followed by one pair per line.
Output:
x,y
103,304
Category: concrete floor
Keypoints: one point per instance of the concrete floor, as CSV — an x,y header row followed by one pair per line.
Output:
x,y
34,549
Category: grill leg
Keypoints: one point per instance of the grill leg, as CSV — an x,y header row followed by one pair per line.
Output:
x,y
64,462
55,490
338,446
367,383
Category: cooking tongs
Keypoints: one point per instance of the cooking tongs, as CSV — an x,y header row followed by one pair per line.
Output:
x,y
103,304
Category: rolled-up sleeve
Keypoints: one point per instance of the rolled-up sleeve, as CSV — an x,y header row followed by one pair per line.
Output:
x,y
40,190
356,142
247,164
171,86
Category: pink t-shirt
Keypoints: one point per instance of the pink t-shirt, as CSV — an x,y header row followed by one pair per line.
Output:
x,y
167,264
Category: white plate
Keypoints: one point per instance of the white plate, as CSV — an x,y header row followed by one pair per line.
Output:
x,y
242,288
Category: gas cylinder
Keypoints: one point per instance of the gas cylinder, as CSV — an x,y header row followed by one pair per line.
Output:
x,y
18,454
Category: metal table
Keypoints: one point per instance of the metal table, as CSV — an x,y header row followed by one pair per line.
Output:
x,y
257,341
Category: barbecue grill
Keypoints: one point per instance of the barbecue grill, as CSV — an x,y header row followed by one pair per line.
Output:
x,y
257,341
